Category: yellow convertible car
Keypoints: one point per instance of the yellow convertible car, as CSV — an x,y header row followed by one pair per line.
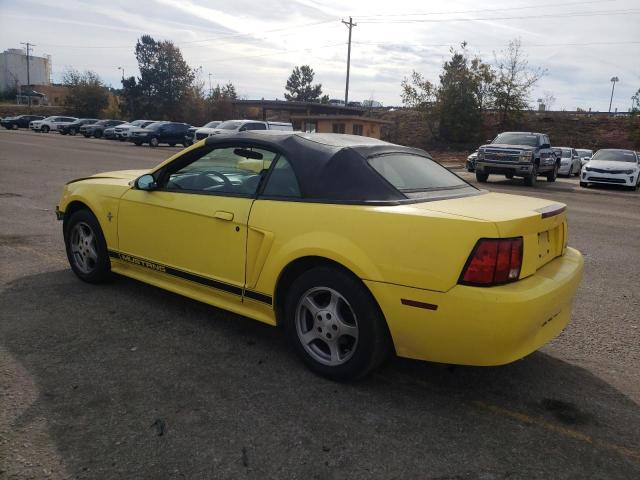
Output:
x,y
357,247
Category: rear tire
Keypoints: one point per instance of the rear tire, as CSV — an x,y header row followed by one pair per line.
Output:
x,y
137,143
584,184
509,175
73,132
97,134
86,247
154,142
482,177
172,144
45,129
335,325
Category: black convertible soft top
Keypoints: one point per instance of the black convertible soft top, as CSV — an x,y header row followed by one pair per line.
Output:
x,y
330,167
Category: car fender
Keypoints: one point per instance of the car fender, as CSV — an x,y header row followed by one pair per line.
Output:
x,y
267,259
103,201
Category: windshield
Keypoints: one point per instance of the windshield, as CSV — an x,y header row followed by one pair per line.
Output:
x,y
101,122
213,124
615,156
229,125
516,138
413,173
584,153
154,125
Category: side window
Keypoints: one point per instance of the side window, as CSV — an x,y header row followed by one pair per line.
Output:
x,y
282,181
231,170
255,126
338,128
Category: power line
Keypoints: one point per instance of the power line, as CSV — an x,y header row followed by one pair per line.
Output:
x,y
580,44
487,9
527,17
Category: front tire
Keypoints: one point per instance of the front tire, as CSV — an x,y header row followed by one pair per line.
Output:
x,y
531,179
154,142
482,177
86,247
97,134
584,184
335,325
72,131
553,174
45,129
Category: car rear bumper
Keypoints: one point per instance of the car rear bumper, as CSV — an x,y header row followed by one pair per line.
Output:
x,y
482,326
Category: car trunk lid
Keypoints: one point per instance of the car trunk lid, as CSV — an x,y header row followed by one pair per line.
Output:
x,y
541,223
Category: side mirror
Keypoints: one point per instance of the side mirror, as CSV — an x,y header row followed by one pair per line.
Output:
x,y
489,140
146,182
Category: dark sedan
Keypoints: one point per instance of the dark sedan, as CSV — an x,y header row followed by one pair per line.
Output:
x,y
74,127
172,133
97,129
20,121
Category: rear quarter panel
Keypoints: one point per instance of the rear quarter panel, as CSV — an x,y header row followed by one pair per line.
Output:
x,y
395,244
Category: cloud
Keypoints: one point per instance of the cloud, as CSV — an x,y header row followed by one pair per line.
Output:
x,y
256,44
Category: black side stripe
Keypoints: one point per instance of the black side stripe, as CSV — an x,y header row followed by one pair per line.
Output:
x,y
260,297
209,282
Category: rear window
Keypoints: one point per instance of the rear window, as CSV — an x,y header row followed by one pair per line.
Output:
x,y
413,173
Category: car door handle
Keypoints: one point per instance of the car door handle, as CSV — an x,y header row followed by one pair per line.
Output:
x,y
222,215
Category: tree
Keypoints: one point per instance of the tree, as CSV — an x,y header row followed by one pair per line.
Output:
x,y
87,95
299,85
513,83
165,78
225,92
459,98
417,92
635,102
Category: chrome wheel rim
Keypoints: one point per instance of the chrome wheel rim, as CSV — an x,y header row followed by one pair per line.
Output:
x,y
327,326
83,247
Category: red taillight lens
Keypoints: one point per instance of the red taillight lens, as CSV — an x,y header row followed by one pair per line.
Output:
x,y
493,261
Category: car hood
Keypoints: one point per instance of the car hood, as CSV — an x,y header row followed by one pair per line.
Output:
x,y
127,175
507,146
610,165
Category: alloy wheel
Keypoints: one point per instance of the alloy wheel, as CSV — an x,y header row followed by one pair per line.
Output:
x,y
326,326
83,247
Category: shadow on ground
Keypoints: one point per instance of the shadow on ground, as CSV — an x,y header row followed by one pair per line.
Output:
x,y
136,382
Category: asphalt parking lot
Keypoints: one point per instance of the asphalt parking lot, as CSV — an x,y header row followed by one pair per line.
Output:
x,y
127,381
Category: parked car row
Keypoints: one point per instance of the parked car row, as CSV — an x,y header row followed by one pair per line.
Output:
x,y
527,155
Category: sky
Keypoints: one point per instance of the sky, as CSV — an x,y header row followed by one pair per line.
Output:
x,y
255,44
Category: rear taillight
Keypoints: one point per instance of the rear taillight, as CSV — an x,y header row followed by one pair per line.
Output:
x,y
493,261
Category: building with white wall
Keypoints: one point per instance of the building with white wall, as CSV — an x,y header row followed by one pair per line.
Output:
x,y
13,69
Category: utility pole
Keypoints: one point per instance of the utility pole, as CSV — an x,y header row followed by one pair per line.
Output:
x,y
29,45
121,68
613,81
210,89
350,26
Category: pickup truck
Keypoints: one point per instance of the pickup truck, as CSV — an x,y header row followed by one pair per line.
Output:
x,y
518,154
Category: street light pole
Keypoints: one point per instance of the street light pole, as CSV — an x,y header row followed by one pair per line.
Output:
x,y
613,87
120,68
